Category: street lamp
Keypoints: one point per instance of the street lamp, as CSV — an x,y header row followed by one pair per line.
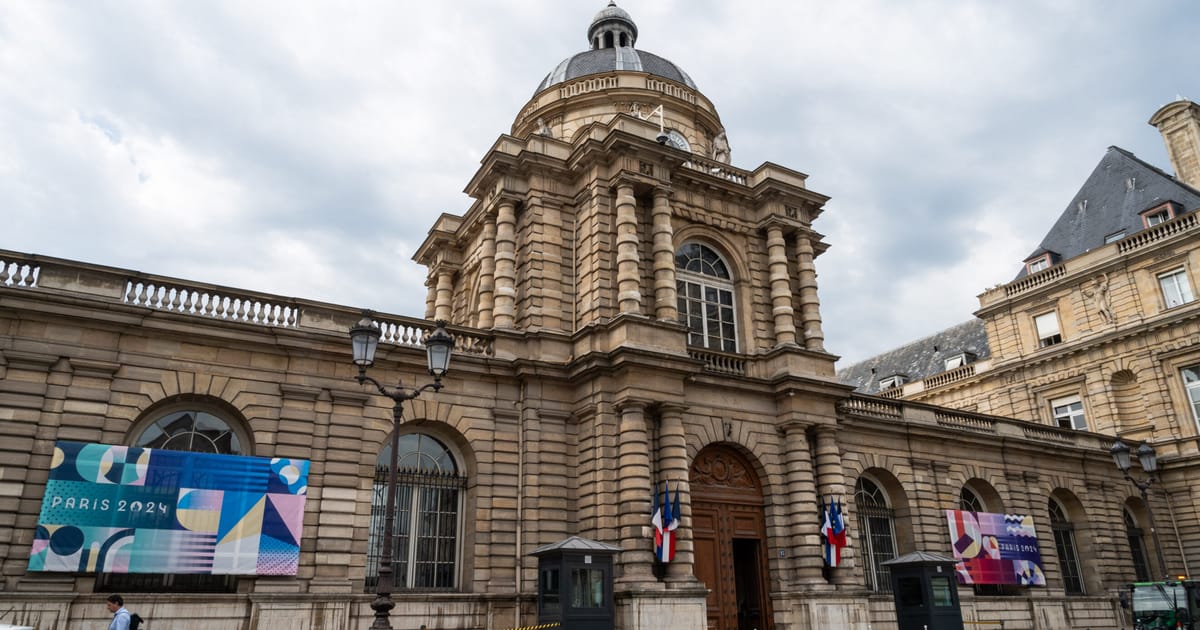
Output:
x,y
364,339
1149,461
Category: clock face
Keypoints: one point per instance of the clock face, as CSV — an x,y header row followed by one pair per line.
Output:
x,y
676,139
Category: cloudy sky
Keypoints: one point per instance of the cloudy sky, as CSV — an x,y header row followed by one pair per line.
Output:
x,y
304,148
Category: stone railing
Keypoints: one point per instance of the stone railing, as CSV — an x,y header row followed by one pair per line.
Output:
x,y
717,169
720,362
591,84
670,89
227,305
218,304
945,378
1159,232
1036,280
18,273
979,424
922,414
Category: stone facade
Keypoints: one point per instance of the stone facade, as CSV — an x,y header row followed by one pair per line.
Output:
x,y
626,313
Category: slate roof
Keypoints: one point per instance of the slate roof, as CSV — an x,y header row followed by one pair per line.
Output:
x,y
610,59
1110,201
919,359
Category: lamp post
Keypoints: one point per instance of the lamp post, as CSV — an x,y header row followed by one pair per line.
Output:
x,y
1149,461
364,339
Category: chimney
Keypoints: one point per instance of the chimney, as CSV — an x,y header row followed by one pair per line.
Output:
x,y
1179,124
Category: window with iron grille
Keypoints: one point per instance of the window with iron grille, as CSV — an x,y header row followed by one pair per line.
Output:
x,y
876,524
426,518
185,426
1137,547
1064,544
704,289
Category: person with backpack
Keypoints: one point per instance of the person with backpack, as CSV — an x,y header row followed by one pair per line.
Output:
x,y
116,606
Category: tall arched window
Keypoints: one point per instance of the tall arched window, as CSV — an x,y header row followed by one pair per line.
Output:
x,y
968,501
195,425
705,297
876,522
1064,544
1137,547
426,526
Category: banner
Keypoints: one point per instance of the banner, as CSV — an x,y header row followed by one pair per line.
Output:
x,y
119,509
995,548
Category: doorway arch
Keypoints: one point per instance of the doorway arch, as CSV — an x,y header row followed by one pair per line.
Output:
x,y
729,531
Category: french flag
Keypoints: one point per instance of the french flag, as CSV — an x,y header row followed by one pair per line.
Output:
x,y
665,520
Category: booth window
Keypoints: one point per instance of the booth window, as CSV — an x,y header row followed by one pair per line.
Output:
x,y
876,521
426,528
196,426
704,289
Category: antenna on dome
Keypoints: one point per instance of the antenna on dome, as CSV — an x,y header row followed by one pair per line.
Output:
x,y
662,131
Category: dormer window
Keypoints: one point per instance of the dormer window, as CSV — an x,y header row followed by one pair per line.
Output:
x,y
958,360
1158,214
895,380
1040,263
1114,237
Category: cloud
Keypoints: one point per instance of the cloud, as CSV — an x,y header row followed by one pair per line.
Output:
x,y
306,149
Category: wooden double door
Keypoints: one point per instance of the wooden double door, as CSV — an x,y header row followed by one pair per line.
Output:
x,y
730,540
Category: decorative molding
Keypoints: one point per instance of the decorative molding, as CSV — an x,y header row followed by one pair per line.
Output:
x,y
719,468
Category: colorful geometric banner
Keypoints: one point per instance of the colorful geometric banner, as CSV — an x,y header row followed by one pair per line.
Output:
x,y
995,548
119,509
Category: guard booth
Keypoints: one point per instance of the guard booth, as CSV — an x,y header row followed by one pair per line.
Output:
x,y
575,584
925,590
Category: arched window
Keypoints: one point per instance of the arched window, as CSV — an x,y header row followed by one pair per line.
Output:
x,y
426,527
197,426
1137,547
968,501
876,522
1064,544
705,297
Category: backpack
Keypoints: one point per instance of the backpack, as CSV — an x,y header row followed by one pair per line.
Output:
x,y
135,621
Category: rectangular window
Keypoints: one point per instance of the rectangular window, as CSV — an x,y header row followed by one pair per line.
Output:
x,y
1047,329
955,361
1154,218
888,382
1175,288
1191,380
1035,266
1068,413
1114,237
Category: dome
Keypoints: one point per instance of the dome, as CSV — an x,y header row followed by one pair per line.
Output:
x,y
612,35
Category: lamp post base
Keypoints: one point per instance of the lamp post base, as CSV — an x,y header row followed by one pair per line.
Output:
x,y
382,605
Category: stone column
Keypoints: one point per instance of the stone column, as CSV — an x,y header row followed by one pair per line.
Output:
x,y
505,309
831,481
629,297
430,295
781,288
804,530
810,304
633,495
665,301
445,294
487,272
673,468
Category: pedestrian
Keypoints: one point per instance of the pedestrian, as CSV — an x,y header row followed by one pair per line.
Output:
x,y
116,606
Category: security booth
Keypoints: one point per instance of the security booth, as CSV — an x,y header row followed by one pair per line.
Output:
x,y
925,590
575,583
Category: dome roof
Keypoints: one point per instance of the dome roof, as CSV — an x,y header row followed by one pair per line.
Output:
x,y
612,35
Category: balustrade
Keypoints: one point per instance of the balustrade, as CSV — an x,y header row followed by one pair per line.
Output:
x,y
16,273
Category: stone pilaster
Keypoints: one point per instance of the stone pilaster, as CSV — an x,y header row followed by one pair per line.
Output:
x,y
665,301
629,297
805,561
810,303
504,313
781,288
445,294
633,495
430,295
673,468
831,481
487,272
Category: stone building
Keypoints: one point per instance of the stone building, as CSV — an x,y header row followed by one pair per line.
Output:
x,y
629,309
1097,332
